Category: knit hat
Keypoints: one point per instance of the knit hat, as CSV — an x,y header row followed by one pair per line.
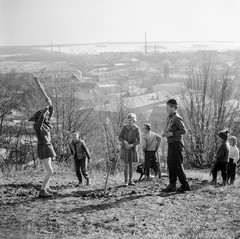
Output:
x,y
172,102
223,135
36,116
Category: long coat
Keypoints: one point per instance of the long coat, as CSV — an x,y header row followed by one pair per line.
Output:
x,y
131,134
42,130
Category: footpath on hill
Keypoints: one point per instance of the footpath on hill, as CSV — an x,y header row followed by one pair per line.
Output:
x,y
140,211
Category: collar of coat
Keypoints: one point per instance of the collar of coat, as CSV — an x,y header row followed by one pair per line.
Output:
x,y
172,115
133,127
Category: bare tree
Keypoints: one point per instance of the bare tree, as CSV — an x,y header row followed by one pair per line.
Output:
x,y
207,110
71,113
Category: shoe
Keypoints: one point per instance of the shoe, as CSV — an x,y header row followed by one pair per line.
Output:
x,y
169,189
131,183
232,181
87,182
78,185
213,182
224,183
49,190
44,194
184,188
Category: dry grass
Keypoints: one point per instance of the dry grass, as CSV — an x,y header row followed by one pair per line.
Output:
x,y
141,211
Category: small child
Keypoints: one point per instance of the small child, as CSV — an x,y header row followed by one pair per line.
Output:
x,y
80,153
221,159
233,159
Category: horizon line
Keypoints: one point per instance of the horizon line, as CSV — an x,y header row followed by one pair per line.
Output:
x,y
115,42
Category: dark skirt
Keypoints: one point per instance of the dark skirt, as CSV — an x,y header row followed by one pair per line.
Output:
x,y
45,151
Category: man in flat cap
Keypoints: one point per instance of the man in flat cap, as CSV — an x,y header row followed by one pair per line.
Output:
x,y
174,132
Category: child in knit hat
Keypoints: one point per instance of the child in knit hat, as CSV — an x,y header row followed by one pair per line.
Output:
x,y
222,159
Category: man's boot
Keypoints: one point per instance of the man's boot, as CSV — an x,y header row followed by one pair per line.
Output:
x,y
169,188
224,183
213,182
183,188
232,181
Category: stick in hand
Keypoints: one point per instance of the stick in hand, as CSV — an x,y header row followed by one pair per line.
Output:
x,y
40,87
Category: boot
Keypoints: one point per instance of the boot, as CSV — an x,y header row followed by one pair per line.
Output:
x,y
224,183
232,181
169,188
213,182
44,194
183,188
51,191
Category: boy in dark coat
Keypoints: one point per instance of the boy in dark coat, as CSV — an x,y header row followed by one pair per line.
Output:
x,y
222,159
174,132
81,156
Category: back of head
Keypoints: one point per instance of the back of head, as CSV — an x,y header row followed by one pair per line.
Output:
x,y
233,139
223,135
147,126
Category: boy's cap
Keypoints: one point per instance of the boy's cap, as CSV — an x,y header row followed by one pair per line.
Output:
x,y
172,102
223,135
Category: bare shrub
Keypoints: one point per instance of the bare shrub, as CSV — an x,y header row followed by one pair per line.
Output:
x,y
210,104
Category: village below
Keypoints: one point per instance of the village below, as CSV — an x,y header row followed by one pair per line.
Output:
x,y
93,93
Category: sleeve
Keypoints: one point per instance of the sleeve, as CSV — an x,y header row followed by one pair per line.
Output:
x,y
85,148
50,108
120,137
39,123
158,138
138,135
221,152
144,143
236,156
180,125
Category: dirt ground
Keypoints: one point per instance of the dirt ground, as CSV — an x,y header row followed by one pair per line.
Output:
x,y
140,211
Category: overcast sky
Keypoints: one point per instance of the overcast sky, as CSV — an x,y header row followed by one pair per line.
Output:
x,y
33,22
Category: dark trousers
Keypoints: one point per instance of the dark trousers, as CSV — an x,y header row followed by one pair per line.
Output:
x,y
151,162
81,168
175,163
220,166
231,170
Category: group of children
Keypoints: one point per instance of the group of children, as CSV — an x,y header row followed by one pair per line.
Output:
x,y
130,137
226,159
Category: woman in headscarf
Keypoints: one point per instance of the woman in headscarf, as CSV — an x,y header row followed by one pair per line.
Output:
x,y
130,138
45,151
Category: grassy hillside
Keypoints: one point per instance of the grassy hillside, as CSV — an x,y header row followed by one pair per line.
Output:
x,y
140,211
